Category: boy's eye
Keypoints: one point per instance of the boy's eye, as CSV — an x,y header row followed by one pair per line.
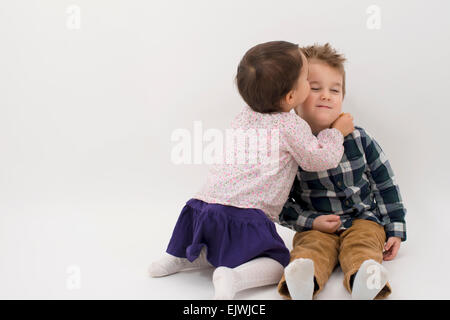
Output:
x,y
334,90
315,88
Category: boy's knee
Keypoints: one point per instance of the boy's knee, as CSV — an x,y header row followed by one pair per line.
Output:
x,y
312,236
364,232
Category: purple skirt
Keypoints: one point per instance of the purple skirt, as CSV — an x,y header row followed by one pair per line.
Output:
x,y
231,235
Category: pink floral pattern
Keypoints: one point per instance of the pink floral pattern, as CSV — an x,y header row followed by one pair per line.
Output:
x,y
266,187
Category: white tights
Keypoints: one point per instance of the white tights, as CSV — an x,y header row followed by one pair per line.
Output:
x,y
227,281
169,264
254,273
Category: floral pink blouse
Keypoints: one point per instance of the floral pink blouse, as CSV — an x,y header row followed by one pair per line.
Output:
x,y
261,157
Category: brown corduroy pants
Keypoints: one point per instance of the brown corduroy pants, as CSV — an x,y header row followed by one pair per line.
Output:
x,y
364,240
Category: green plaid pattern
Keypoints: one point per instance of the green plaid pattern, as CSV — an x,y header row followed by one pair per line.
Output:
x,y
361,187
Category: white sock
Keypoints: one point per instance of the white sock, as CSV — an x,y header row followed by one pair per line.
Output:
x,y
299,275
169,264
254,273
369,280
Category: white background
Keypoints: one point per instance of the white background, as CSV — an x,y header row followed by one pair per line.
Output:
x,y
86,117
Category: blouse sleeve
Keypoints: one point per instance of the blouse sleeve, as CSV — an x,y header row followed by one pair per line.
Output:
x,y
312,153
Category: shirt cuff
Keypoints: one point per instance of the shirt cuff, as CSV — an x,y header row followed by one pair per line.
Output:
x,y
308,223
396,229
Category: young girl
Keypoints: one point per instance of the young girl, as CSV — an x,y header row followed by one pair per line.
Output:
x,y
229,224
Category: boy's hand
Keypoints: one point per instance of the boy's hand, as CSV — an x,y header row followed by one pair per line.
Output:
x,y
391,248
327,223
344,123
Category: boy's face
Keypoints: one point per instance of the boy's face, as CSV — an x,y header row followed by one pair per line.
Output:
x,y
324,103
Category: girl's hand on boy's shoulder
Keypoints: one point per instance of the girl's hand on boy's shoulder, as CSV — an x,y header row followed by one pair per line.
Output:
x,y
391,248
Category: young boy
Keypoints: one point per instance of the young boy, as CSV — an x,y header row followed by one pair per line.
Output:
x,y
344,214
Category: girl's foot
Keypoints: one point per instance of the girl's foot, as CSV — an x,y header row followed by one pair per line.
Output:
x,y
167,265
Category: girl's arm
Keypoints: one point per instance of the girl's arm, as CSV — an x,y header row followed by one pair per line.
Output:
x,y
312,153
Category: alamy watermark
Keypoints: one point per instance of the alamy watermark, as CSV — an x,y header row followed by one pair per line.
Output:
x,y
374,280
234,146
73,281
374,20
73,21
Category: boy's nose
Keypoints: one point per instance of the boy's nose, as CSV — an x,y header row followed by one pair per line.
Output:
x,y
324,97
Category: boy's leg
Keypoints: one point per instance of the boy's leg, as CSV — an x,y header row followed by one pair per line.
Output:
x,y
364,240
322,249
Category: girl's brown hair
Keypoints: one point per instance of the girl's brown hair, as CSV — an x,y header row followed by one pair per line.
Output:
x,y
266,73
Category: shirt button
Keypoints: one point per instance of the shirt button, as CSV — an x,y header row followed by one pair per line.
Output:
x,y
347,202
339,184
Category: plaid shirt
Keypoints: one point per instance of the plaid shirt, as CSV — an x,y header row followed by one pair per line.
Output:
x,y
361,187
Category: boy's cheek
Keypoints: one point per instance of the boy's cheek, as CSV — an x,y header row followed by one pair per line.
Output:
x,y
302,110
338,107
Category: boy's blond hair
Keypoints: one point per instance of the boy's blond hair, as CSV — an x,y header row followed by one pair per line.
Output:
x,y
326,53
